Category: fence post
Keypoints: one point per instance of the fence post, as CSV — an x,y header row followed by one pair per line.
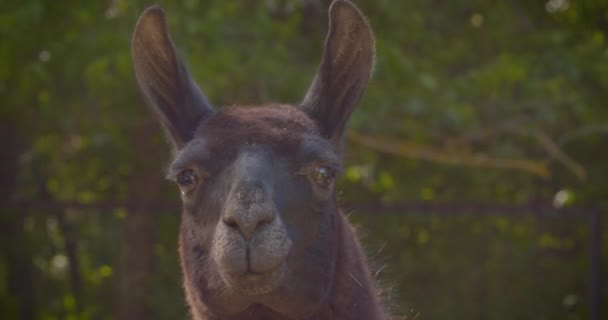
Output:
x,y
595,256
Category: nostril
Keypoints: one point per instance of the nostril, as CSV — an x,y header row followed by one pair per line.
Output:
x,y
266,219
231,223
263,223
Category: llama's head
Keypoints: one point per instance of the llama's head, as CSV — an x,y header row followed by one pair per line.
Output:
x,y
257,183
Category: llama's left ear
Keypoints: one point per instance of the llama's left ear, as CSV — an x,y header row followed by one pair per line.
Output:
x,y
345,70
164,80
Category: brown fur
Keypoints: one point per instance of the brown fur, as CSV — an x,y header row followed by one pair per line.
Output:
x,y
279,127
262,236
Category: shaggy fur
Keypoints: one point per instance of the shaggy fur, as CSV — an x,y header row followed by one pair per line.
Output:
x,y
262,236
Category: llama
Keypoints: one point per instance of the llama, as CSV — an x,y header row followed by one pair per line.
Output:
x,y
261,235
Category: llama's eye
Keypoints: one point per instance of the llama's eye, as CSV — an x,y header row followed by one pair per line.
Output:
x,y
187,180
323,176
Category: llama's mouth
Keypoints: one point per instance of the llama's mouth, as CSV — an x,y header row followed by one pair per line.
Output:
x,y
252,266
256,283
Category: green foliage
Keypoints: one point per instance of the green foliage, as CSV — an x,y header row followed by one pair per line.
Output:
x,y
471,76
480,267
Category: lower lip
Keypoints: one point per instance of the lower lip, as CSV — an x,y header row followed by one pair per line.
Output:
x,y
260,283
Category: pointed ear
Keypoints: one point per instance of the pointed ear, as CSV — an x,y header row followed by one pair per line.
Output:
x,y
163,79
345,70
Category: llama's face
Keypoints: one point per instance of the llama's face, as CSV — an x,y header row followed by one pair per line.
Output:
x,y
258,191
257,183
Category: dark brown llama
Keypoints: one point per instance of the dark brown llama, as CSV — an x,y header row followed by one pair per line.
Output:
x,y
262,236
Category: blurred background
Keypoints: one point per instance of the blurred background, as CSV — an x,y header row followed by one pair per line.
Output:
x,y
477,163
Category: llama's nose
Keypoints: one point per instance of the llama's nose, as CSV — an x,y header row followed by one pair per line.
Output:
x,y
246,222
249,209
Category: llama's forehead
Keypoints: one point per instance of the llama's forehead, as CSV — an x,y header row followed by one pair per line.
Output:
x,y
268,116
280,128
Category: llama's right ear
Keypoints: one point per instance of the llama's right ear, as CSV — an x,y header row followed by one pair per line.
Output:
x,y
164,80
346,67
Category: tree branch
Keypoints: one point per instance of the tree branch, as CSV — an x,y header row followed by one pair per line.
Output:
x,y
441,156
558,154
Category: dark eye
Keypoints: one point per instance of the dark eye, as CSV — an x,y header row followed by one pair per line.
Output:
x,y
187,180
323,176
